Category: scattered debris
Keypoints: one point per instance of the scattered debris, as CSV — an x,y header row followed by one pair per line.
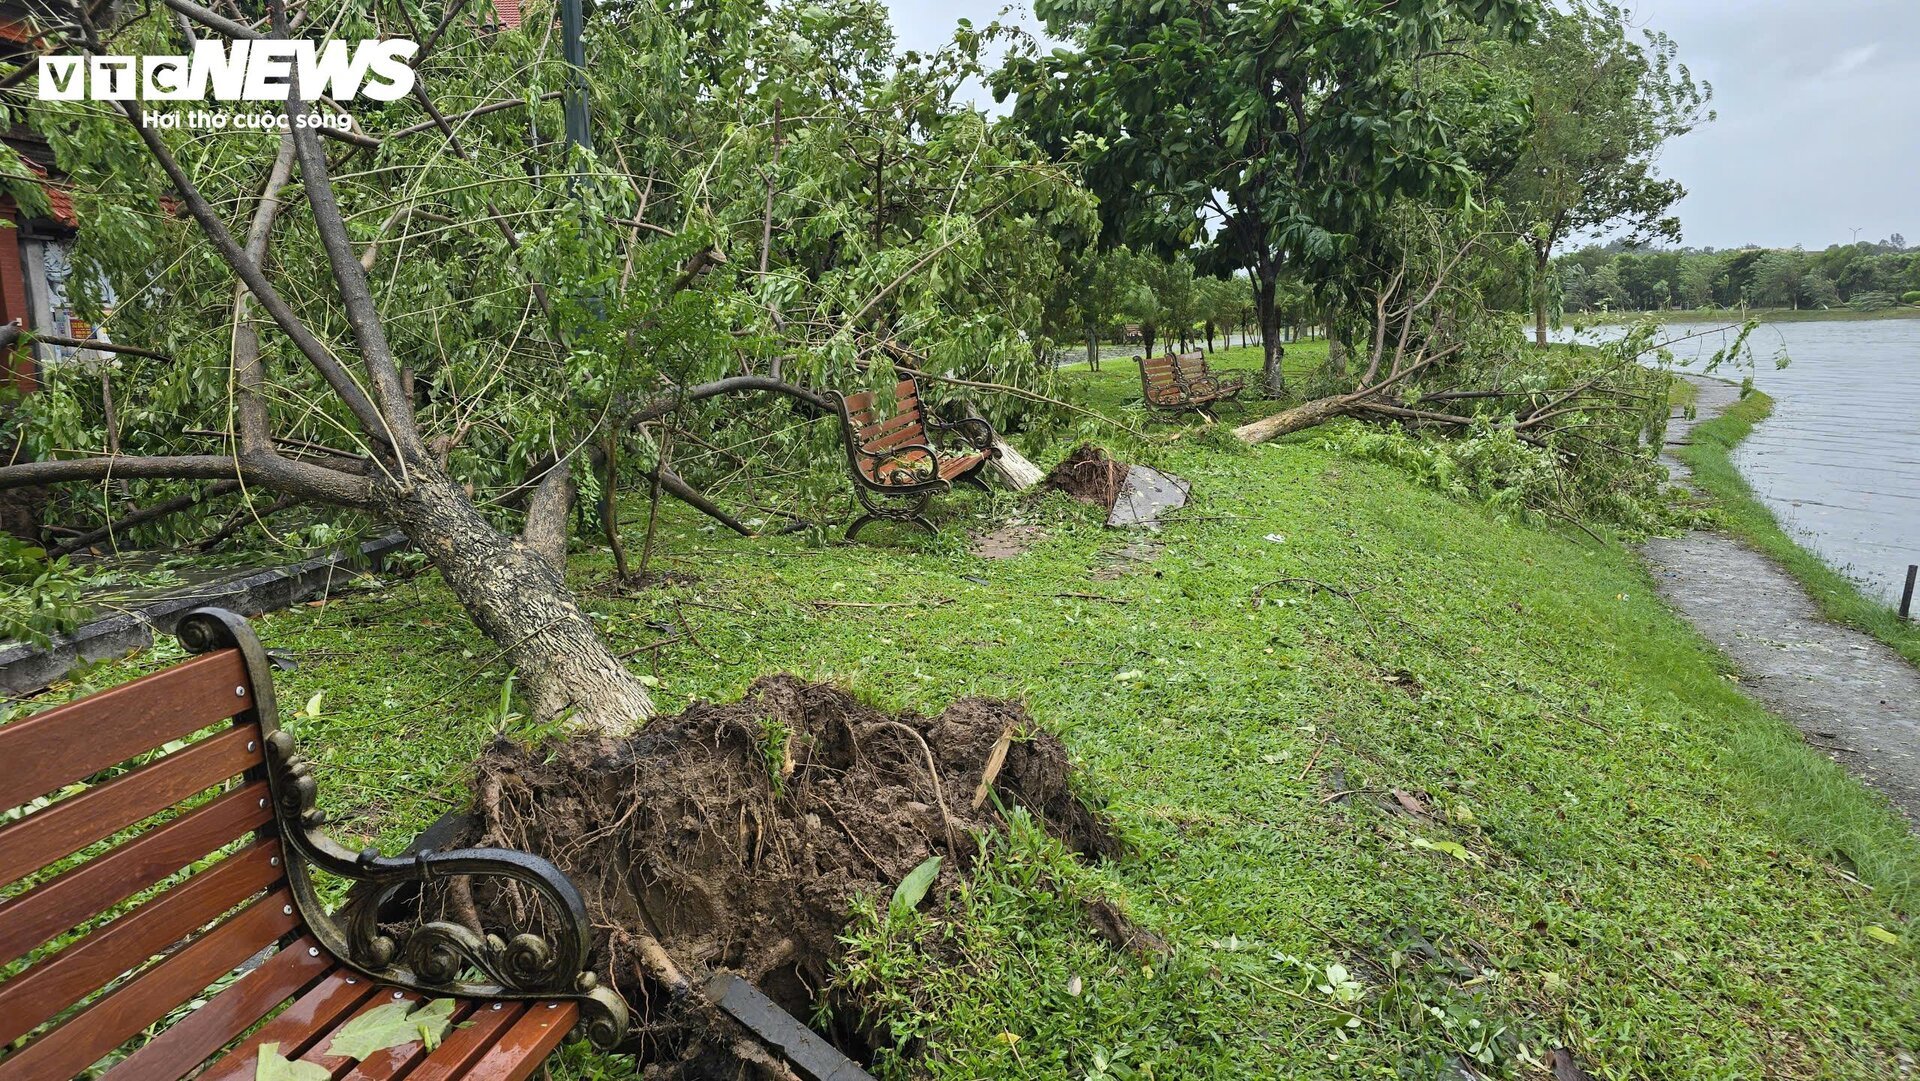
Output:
x,y
1126,560
814,1058
1123,934
1134,495
1010,540
1146,495
1410,803
1566,1069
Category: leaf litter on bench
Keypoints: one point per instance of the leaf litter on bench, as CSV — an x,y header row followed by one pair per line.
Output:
x,y
737,837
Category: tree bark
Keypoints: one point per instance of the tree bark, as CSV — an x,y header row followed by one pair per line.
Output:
x,y
1093,350
1299,418
521,602
546,530
1266,288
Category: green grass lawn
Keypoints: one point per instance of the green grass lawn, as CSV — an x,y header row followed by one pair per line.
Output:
x,y
1497,800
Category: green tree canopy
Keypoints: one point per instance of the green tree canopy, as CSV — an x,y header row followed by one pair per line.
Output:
x,y
1603,105
1272,134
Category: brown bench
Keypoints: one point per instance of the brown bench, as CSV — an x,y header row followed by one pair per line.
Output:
x,y
897,468
1183,383
193,822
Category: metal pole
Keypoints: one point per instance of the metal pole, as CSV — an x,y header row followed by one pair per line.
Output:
x,y
1906,596
573,24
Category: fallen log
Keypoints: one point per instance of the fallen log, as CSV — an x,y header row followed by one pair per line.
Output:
x,y
1012,467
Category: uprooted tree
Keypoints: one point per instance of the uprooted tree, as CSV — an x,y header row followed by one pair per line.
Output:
x,y
449,321
1571,435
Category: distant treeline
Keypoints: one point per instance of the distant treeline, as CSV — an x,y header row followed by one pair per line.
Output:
x,y
1863,276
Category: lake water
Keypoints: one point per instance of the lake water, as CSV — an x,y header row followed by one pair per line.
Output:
x,y
1838,463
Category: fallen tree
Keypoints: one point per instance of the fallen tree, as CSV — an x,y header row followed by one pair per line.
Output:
x,y
445,326
1571,434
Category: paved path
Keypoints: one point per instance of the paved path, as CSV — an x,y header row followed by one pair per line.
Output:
x,y
1850,695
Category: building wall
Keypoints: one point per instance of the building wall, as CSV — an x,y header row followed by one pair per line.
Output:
x,y
13,297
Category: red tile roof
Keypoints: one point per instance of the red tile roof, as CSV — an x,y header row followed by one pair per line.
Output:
x,y
59,202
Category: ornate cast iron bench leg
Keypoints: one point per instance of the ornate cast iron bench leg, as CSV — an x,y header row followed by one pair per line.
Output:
x,y
881,511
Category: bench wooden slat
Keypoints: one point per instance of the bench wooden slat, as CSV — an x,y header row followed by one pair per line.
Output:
x,y
206,1030
953,467
42,754
907,415
906,435
306,1022
397,1061
55,907
463,1048
316,1052
522,1048
36,995
150,996
70,825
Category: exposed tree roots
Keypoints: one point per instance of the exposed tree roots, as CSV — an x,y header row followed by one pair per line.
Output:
x,y
737,836
1090,476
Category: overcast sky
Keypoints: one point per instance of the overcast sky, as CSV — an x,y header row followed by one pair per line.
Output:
x,y
1819,103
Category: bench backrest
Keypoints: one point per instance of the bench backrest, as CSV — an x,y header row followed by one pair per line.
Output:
x,y
112,798
880,432
1193,366
1157,380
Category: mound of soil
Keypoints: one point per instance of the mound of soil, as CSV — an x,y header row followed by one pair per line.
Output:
x,y
736,836
1090,475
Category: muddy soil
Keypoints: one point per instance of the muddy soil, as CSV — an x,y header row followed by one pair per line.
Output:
x,y
1007,542
1089,475
1850,695
737,836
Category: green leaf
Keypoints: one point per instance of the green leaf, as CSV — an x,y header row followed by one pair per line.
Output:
x,y
1875,931
313,704
392,1024
1451,848
272,1067
913,888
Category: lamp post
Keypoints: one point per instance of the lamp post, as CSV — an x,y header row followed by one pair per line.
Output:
x,y
573,23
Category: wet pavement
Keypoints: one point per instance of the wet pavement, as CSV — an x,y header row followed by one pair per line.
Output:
x,y
1850,695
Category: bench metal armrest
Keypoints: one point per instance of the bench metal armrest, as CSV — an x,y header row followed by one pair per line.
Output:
x,y
438,956
881,457
978,433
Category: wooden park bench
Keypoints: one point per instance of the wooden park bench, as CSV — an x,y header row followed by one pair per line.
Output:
x,y
160,901
1183,383
897,467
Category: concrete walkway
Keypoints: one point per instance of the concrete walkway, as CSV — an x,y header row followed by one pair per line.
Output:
x,y
1850,695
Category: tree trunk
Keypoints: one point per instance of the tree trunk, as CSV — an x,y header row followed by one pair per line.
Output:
x,y
1336,348
1149,334
521,602
1299,418
1093,350
1542,259
1265,292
